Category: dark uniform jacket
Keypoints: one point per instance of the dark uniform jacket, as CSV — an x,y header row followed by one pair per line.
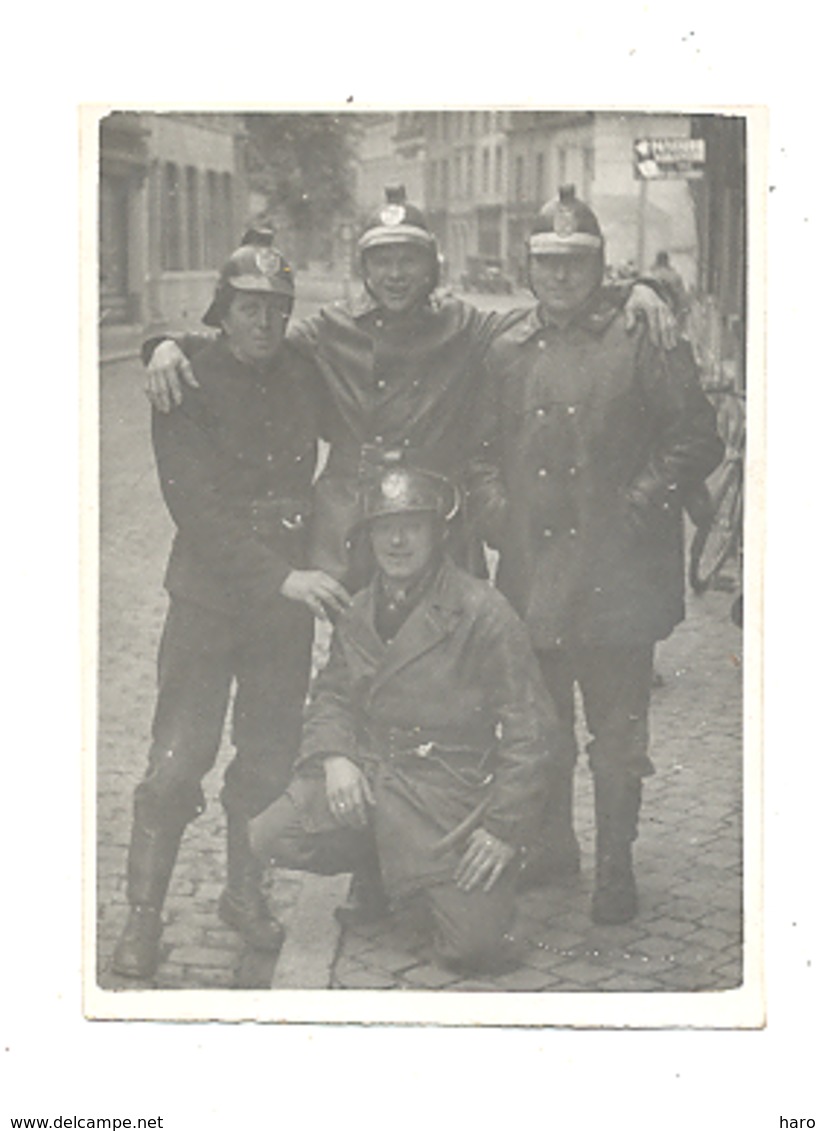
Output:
x,y
407,386
592,438
448,720
235,463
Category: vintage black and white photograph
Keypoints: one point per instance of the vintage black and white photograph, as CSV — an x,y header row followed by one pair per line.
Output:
x,y
424,640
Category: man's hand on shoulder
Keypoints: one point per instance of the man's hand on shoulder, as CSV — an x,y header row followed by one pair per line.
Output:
x,y
643,302
167,372
318,591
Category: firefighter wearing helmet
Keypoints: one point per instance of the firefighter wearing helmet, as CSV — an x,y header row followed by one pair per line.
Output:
x,y
400,366
235,464
591,447
427,740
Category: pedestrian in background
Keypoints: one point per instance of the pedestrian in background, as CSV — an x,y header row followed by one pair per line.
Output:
x,y
593,437
235,463
672,288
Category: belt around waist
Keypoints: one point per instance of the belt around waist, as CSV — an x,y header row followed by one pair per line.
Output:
x,y
400,742
368,457
280,516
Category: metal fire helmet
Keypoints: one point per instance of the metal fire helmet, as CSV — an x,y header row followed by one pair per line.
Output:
x,y
255,266
566,225
409,490
397,221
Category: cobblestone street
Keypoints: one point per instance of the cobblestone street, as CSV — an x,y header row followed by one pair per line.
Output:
x,y
688,934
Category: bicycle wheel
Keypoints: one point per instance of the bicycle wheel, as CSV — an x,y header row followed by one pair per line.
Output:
x,y
712,543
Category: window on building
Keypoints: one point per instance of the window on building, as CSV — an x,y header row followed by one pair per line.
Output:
x,y
485,170
457,173
499,169
445,179
519,178
447,122
210,251
432,180
589,172
227,215
170,219
485,121
561,157
194,258
471,173
541,187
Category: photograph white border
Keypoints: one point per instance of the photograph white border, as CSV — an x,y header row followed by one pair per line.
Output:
x,y
743,1007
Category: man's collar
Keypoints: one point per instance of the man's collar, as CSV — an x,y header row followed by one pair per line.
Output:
x,y
364,304
595,316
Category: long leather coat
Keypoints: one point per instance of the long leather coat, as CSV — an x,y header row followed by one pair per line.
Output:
x,y
235,463
449,720
592,438
408,386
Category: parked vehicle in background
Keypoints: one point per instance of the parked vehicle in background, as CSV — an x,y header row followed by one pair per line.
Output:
x,y
486,273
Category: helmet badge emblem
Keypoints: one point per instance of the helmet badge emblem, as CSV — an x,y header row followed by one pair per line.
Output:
x,y
268,261
392,215
564,222
394,486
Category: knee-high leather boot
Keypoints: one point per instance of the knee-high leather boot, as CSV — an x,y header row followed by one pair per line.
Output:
x,y
242,904
153,851
618,797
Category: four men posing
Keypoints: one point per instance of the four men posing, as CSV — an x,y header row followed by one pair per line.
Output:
x,y
431,742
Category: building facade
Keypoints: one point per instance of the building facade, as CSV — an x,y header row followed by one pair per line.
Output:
x,y
173,199
482,175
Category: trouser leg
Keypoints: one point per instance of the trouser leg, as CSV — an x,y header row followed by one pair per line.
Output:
x,y
286,836
296,831
367,901
555,851
615,687
193,690
272,673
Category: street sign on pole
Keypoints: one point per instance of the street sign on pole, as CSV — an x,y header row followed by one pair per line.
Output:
x,y
668,158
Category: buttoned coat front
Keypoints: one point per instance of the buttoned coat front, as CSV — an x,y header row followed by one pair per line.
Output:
x,y
448,720
592,436
406,385
235,463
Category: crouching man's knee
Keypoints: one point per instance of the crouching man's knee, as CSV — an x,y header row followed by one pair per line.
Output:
x,y
473,929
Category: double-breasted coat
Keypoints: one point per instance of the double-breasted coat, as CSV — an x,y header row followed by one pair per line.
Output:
x,y
235,463
592,438
449,721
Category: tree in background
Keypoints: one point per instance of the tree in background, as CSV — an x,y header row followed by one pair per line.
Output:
x,y
303,164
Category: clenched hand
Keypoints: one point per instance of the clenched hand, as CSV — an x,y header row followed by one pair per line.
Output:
x,y
166,373
320,592
643,302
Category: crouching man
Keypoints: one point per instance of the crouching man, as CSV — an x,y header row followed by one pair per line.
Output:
x,y
427,739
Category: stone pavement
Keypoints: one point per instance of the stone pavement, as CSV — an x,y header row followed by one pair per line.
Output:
x,y
688,934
